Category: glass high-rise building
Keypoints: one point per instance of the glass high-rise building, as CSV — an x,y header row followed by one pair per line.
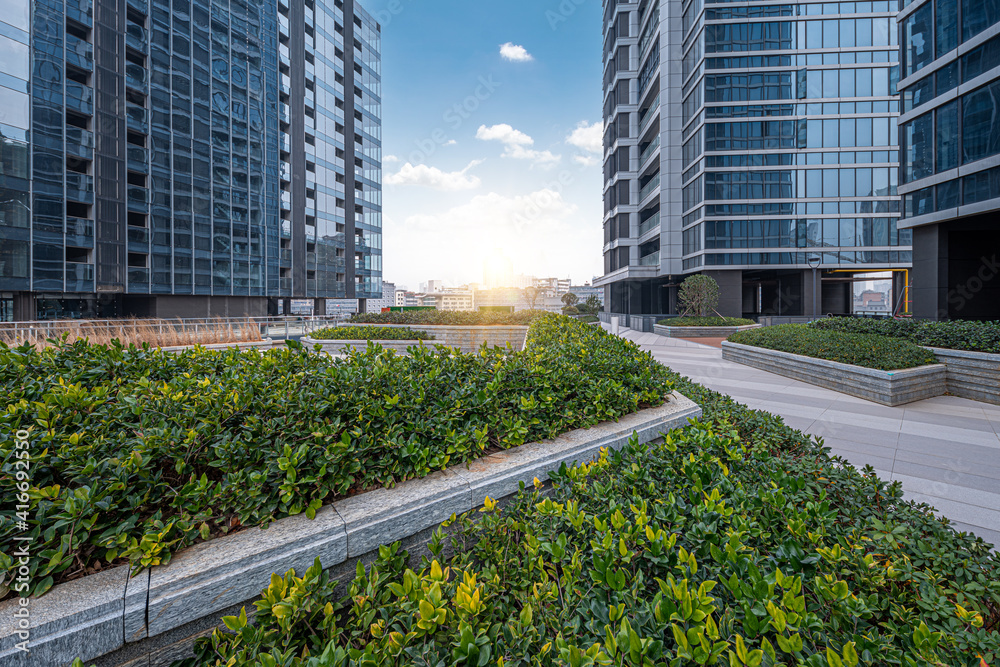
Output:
x,y
187,158
950,167
753,142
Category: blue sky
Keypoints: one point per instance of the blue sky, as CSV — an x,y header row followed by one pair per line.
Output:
x,y
491,137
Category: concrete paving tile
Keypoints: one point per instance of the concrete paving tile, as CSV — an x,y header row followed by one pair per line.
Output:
x,y
964,421
893,424
963,461
862,407
792,395
790,409
957,510
952,477
862,448
975,499
952,434
843,430
948,405
945,449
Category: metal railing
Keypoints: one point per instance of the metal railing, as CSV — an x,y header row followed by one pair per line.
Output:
x,y
653,145
649,187
649,225
650,260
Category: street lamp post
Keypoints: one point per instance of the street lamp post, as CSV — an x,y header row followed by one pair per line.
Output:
x,y
814,262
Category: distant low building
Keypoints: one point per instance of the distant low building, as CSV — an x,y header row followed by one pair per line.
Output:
x,y
584,292
388,299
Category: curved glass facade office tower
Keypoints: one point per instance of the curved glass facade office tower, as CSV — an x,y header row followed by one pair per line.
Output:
x,y
750,142
187,158
950,171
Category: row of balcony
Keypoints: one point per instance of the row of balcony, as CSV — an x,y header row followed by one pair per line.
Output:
x,y
79,53
650,225
650,260
650,187
80,98
653,145
651,112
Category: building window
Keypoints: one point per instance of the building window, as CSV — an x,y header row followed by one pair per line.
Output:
x,y
918,39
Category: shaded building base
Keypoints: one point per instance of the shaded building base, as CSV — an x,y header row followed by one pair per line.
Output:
x,y
956,269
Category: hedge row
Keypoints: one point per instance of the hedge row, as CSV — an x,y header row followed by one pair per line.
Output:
x,y
736,542
866,350
370,333
450,318
958,335
138,453
706,322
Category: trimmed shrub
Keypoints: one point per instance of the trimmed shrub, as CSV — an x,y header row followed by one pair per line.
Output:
x,y
370,333
866,350
147,452
957,335
450,318
706,322
737,541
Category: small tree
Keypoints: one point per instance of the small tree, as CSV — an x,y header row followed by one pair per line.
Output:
x,y
531,295
698,296
570,310
593,304
570,299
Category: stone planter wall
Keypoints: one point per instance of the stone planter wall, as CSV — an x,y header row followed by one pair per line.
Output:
x,y
341,346
974,375
113,620
468,339
700,332
886,387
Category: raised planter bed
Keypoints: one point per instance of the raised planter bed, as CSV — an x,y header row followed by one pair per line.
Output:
x,y
700,332
890,388
341,346
973,375
154,617
467,338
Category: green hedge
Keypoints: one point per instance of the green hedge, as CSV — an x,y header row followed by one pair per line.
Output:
x,y
958,335
451,318
706,322
370,333
737,541
868,351
137,453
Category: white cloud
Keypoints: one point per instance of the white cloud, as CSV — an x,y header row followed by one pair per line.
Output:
x,y
505,133
515,53
516,144
386,159
586,160
451,142
588,137
431,177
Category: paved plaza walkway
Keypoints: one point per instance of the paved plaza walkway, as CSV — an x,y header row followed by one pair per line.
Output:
x,y
945,450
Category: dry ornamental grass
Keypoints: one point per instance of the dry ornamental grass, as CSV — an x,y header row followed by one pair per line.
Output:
x,y
155,332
